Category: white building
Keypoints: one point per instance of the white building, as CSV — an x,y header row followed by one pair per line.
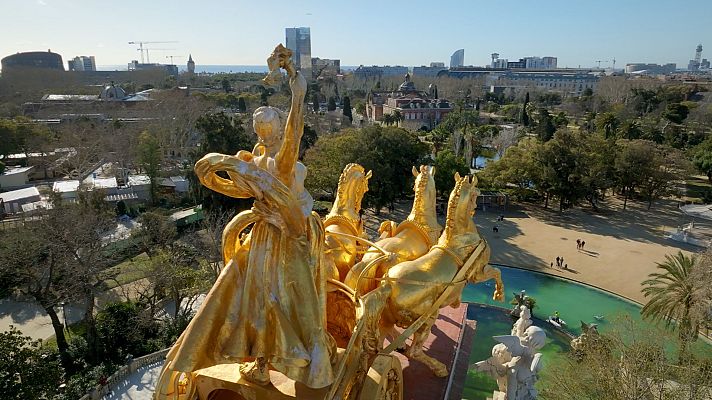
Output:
x,y
12,201
15,177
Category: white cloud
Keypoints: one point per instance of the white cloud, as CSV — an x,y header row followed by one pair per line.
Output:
x,y
42,2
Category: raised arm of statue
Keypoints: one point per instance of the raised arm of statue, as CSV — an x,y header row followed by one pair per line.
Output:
x,y
286,157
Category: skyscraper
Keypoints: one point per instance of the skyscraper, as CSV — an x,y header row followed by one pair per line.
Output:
x,y
457,59
299,41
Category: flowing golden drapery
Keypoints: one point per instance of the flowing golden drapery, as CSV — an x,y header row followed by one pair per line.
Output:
x,y
274,305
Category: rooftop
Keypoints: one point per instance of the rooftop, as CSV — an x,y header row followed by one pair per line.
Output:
x,y
20,194
17,170
66,186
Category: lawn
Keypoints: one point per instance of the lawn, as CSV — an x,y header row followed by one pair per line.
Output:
x,y
130,270
696,186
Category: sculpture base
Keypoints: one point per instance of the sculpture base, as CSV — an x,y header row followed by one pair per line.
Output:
x,y
419,383
449,343
223,382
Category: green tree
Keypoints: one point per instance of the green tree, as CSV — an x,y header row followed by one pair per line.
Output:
x,y
666,169
241,104
150,157
631,165
220,133
331,105
560,120
643,101
309,138
347,109
676,298
315,102
125,329
30,264
676,112
226,85
446,164
27,369
372,147
545,127
525,116
179,276
155,233
630,129
702,158
607,124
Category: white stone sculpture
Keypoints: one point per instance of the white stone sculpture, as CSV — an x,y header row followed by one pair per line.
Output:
x,y
523,322
515,364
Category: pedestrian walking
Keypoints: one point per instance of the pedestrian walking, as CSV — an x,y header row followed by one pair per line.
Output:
x,y
583,243
552,265
566,266
578,244
495,229
558,261
562,261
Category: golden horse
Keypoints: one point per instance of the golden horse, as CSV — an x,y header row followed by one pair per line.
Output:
x,y
344,218
407,241
412,292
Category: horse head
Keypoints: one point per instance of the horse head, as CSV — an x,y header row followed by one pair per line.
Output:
x,y
461,209
353,184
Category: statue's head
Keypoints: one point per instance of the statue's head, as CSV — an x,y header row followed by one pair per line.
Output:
x,y
524,312
500,353
267,125
534,338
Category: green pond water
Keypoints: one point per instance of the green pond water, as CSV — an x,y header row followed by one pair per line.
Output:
x,y
574,301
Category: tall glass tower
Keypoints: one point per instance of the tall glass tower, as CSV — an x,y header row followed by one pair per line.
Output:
x,y
458,58
299,41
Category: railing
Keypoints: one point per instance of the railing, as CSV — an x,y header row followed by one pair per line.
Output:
x,y
122,374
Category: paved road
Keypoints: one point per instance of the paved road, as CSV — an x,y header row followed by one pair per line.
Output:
x,y
139,385
31,319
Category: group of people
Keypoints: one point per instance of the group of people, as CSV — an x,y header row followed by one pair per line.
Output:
x,y
579,244
560,263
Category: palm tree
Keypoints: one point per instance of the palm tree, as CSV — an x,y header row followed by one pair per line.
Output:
x,y
676,297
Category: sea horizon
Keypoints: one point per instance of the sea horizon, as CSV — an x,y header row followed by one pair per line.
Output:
x,y
210,69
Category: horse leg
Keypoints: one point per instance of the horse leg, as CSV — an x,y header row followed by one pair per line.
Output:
x,y
415,350
490,272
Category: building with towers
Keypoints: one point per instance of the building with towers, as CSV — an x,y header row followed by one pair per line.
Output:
x,y
82,63
299,41
698,63
191,64
457,59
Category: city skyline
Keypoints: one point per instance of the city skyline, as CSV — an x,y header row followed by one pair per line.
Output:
x,y
659,32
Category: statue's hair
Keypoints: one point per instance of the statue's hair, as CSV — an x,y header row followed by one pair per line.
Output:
x,y
268,115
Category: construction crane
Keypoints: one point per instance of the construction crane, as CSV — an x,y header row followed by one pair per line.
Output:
x,y
599,62
148,60
172,57
140,46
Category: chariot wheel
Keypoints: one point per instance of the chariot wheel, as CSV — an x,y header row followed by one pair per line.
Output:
x,y
384,380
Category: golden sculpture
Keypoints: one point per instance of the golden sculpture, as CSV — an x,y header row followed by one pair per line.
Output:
x,y
409,240
264,330
344,217
403,299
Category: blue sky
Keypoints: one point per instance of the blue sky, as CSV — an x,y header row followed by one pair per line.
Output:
x,y
366,32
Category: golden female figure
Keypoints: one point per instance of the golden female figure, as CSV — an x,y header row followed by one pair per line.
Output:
x,y
267,308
